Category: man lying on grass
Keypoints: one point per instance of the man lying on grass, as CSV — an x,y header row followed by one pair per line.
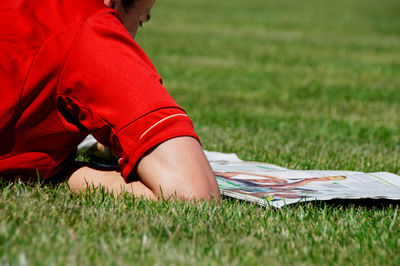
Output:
x,y
70,68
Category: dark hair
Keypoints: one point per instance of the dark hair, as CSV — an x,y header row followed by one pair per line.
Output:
x,y
128,4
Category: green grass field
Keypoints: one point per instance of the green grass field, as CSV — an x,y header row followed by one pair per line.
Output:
x,y
303,84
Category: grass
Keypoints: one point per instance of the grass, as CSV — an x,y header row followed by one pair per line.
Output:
x,y
52,226
303,84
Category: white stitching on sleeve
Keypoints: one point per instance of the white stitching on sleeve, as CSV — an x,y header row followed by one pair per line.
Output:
x,y
162,120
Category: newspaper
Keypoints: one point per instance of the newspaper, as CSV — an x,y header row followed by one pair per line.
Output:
x,y
271,185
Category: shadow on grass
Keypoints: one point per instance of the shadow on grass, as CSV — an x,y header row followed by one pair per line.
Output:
x,y
334,203
365,203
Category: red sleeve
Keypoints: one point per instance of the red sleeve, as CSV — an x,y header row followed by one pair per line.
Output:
x,y
110,87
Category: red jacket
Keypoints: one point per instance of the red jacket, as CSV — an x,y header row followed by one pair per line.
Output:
x,y
69,68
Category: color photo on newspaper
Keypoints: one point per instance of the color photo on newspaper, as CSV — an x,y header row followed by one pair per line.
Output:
x,y
271,185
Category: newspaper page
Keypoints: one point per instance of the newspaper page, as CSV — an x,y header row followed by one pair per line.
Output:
x,y
271,185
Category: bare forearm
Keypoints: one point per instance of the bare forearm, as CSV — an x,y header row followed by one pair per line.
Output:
x,y
87,178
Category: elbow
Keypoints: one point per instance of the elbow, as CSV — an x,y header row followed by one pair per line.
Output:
x,y
205,190
192,192
210,193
